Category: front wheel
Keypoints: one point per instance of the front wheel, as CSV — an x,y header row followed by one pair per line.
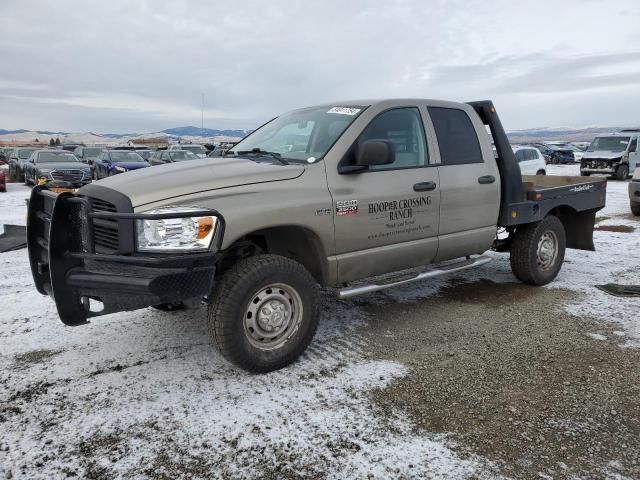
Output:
x,y
541,172
622,172
264,312
537,251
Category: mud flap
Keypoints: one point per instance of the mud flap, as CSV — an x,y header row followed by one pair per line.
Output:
x,y
579,229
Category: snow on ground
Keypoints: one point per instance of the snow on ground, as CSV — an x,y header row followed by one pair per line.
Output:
x,y
144,394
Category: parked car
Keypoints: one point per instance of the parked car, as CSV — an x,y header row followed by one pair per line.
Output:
x,y
196,149
146,154
612,155
4,169
577,153
87,155
557,154
634,193
530,160
169,156
48,165
70,147
17,159
331,195
112,162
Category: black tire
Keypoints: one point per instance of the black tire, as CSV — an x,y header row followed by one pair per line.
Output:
x,y
525,264
541,172
19,175
12,174
635,209
622,172
169,307
585,174
25,179
245,286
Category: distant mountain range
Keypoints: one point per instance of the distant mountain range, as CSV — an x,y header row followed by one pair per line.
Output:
x,y
559,133
189,131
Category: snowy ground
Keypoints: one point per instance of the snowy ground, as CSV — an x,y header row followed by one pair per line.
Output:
x,y
144,395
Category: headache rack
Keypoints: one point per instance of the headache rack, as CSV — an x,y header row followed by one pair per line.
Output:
x,y
83,248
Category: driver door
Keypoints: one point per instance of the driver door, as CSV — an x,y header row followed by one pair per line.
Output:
x,y
386,218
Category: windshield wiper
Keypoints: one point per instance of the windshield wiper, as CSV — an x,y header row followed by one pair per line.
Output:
x,y
264,153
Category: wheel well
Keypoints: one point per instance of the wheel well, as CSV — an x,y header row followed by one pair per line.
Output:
x,y
578,226
544,172
291,241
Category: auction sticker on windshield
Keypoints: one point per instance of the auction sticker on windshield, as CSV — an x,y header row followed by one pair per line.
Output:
x,y
344,110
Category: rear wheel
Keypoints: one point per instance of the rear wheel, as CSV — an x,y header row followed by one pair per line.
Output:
x,y
635,209
264,312
537,251
622,172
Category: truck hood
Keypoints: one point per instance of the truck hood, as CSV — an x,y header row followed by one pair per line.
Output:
x,y
602,154
163,182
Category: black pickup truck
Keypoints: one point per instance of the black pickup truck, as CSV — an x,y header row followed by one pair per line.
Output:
x,y
359,196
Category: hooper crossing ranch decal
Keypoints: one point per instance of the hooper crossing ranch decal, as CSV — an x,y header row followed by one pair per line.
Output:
x,y
399,209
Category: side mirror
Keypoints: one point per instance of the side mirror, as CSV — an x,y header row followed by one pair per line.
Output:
x,y
375,152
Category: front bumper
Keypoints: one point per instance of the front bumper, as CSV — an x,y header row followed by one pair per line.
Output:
x,y
607,171
66,266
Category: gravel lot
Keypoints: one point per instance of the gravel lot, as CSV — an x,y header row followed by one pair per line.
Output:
x,y
475,376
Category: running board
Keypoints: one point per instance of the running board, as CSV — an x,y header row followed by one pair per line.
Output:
x,y
394,281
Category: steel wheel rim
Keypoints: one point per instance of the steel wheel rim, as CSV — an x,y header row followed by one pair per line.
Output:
x,y
547,250
273,315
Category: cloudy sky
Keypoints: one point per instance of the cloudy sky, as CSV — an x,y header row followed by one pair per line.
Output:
x,y
138,66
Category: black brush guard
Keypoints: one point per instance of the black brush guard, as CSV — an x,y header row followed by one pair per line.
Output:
x,y
65,266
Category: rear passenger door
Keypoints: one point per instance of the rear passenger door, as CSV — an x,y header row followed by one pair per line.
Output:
x,y
469,183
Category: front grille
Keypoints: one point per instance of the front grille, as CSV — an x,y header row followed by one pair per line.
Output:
x,y
106,235
73,176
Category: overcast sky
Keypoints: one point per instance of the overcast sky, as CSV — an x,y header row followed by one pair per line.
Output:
x,y
139,66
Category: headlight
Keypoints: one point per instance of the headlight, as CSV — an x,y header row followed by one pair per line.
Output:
x,y
120,169
176,234
44,170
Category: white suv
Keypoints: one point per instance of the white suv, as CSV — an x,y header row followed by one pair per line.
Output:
x,y
530,160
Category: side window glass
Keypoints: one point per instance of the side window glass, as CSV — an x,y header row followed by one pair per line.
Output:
x,y
530,154
519,155
402,127
456,136
634,145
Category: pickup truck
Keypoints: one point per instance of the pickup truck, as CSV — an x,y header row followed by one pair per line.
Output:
x,y
359,196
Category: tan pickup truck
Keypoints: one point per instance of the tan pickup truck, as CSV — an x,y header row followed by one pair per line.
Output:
x,y
359,196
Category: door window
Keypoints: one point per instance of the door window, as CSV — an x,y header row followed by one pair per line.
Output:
x,y
633,145
456,136
403,128
519,156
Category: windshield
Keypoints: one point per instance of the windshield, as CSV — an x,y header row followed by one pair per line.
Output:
x,y
301,135
91,152
124,156
197,149
56,157
25,153
144,153
609,144
179,155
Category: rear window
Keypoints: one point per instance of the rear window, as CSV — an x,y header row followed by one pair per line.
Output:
x,y
457,139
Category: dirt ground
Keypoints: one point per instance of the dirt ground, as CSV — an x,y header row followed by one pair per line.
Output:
x,y
514,378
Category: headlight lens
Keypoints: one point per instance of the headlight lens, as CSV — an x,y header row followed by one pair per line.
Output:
x,y
176,234
120,169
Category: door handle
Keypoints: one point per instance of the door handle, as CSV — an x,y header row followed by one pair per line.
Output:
x,y
486,179
424,187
